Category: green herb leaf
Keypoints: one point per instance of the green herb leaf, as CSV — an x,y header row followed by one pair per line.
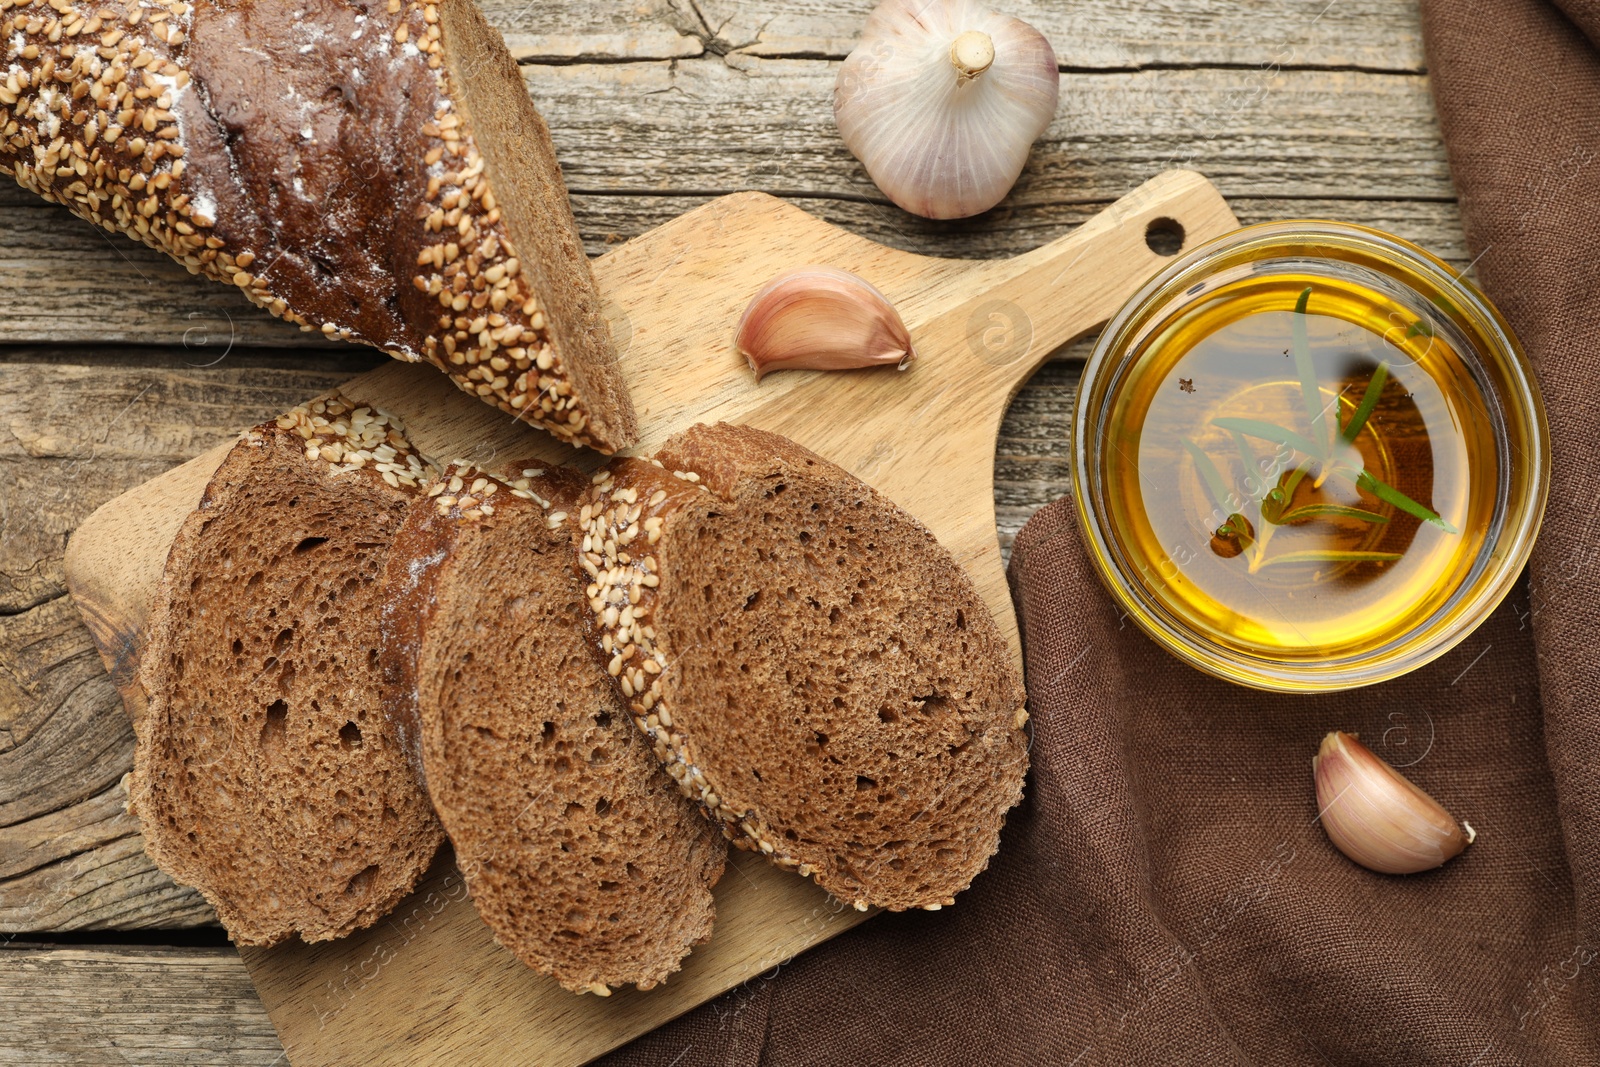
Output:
x,y
1213,478
1307,373
1420,328
1369,401
1390,495
1331,511
1268,431
1331,556
1252,467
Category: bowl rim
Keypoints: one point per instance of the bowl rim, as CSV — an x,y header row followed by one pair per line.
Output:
x,y
1507,554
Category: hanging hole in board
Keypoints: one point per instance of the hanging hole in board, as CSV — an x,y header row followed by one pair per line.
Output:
x,y
1164,236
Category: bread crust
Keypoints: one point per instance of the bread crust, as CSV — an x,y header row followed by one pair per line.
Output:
x,y
645,523
578,852
266,776
373,170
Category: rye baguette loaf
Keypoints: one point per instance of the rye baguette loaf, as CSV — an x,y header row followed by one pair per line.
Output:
x,y
809,663
578,851
370,169
265,772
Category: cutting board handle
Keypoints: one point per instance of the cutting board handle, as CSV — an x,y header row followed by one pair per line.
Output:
x,y
1006,317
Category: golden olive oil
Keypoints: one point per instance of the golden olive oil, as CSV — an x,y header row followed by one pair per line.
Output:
x,y
1300,467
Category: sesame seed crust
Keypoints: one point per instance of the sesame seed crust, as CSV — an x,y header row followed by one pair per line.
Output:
x,y
621,517
351,437
491,335
118,111
466,493
89,106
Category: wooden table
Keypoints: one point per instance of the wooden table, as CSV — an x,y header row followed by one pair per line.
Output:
x,y
115,365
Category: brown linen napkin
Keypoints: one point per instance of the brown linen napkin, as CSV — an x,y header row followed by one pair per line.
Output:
x,y
1164,894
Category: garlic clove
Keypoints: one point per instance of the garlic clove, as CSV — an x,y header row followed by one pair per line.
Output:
x,y
1376,816
821,318
941,101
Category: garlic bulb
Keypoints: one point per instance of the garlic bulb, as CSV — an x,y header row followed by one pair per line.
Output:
x,y
821,318
1375,816
941,100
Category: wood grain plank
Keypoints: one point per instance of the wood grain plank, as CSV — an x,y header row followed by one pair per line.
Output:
x,y
642,141
109,885
742,122
60,748
603,30
77,429
70,858
1372,34
1033,456
76,432
1434,224
131,1005
74,283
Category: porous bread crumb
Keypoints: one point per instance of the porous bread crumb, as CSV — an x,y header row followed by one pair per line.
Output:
x,y
265,774
645,528
578,852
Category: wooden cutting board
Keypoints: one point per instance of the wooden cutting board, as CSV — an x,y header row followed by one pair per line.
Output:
x,y
428,985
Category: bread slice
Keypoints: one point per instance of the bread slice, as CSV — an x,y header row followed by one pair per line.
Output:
x,y
578,851
372,170
265,772
809,662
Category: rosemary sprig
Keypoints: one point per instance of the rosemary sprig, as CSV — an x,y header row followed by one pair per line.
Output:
x,y
1235,526
1380,489
1390,495
1331,511
1253,474
1270,431
1319,450
1369,401
1306,371
1291,483
1238,528
1220,493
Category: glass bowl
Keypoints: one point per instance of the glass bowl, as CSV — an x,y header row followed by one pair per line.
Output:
x,y
1309,456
